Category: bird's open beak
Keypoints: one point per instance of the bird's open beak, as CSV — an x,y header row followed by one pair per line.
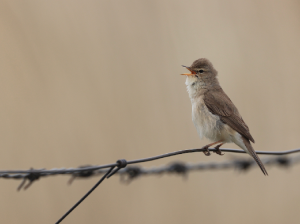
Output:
x,y
188,68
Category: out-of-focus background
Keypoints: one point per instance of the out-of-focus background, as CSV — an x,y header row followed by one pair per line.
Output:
x,y
90,82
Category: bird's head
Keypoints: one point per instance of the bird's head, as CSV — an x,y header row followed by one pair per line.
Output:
x,y
201,68
202,74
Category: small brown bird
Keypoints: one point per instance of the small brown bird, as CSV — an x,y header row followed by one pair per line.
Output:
x,y
213,113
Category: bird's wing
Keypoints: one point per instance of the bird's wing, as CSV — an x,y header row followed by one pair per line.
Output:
x,y
219,104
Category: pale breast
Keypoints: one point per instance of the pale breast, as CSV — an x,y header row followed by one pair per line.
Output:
x,y
207,124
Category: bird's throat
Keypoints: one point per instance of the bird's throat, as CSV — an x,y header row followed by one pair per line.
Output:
x,y
197,86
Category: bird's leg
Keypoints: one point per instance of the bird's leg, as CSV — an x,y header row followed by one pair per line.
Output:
x,y
218,151
206,150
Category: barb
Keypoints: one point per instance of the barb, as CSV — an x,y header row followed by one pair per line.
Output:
x,y
31,177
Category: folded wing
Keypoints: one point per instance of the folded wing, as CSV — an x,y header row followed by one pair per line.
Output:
x,y
220,104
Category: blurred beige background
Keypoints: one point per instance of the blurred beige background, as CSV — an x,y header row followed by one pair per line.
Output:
x,y
90,82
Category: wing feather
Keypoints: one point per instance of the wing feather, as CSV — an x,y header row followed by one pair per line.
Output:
x,y
220,104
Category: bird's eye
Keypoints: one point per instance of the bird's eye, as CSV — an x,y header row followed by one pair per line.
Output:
x,y
201,71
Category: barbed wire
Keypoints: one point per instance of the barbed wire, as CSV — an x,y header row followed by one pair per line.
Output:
x,y
56,171
181,168
132,172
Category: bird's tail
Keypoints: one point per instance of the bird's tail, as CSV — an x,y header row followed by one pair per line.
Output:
x,y
254,155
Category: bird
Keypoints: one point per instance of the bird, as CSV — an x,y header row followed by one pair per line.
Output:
x,y
214,114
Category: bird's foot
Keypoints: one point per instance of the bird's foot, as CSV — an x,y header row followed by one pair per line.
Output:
x,y
218,151
206,150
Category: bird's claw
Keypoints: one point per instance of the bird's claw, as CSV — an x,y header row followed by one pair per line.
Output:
x,y
206,151
218,151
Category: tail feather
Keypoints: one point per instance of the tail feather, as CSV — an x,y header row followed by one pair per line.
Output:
x,y
254,155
